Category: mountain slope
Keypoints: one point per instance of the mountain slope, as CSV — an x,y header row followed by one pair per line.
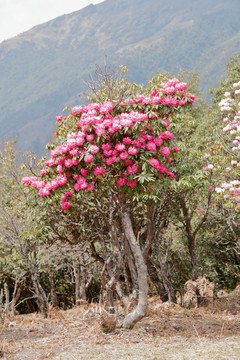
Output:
x,y
43,69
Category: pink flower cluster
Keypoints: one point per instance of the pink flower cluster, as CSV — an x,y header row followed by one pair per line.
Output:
x,y
160,96
113,142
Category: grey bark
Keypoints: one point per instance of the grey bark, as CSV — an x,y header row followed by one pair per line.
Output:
x,y
42,301
140,311
80,281
152,272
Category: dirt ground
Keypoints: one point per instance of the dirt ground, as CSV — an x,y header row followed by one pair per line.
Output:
x,y
167,332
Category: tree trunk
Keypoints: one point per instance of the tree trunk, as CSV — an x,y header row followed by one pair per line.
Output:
x,y
80,282
192,251
7,298
131,271
41,296
152,272
139,312
54,298
191,237
17,294
166,278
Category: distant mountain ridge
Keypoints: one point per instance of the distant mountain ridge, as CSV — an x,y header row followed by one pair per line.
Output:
x,y
42,70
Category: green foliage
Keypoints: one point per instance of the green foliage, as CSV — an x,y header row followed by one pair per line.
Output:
x,y
232,76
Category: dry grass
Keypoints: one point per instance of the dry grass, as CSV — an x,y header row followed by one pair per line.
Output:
x,y
167,332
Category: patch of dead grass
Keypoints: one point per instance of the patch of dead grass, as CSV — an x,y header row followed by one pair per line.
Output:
x,y
167,332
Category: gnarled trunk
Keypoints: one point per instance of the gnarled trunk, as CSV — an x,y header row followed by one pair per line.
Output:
x,y
152,272
42,301
80,281
139,312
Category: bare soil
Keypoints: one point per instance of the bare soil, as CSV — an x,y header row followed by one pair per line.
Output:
x,y
167,332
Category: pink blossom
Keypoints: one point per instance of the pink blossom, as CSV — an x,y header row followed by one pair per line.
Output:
x,y
65,205
154,92
182,102
77,110
106,107
165,151
84,172
132,150
158,141
175,149
58,118
68,163
110,161
154,162
127,141
90,137
107,153
76,187
68,193
49,163
127,122
90,187
120,147
132,170
83,185
166,135
122,181
62,180
137,143
59,169
151,146
131,183
99,170
166,123
106,146
128,162
88,158
161,168
44,192
123,155
171,174
166,101
94,149
60,161
76,161
100,131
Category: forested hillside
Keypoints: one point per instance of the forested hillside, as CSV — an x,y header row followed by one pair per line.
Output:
x,y
44,69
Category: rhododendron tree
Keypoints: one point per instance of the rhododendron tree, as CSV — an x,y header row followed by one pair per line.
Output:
x,y
230,108
113,143
116,146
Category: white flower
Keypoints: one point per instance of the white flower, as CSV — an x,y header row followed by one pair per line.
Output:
x,y
219,190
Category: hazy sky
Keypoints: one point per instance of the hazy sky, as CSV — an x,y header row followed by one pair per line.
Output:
x,y
17,16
